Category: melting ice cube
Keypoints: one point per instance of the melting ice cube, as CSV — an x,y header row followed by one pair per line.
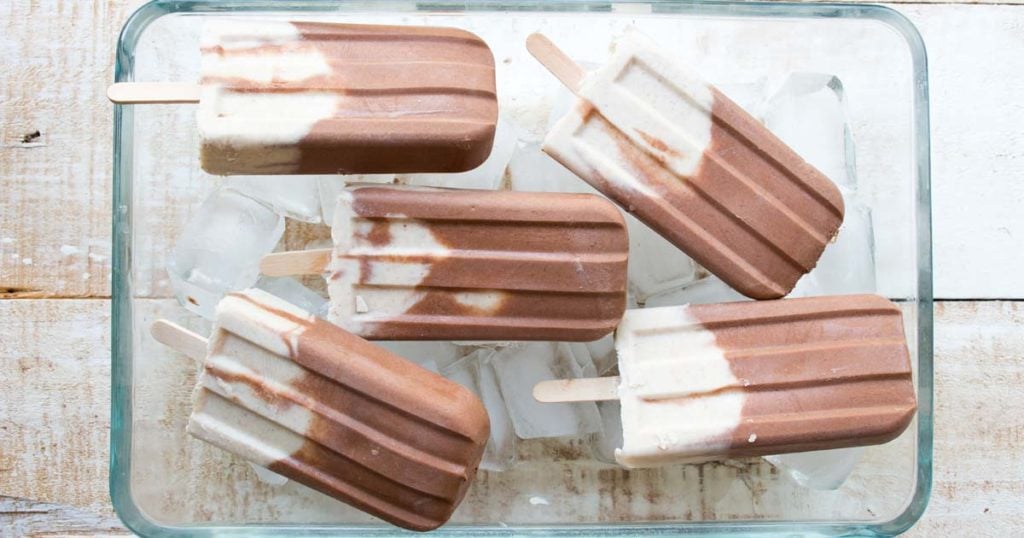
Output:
x,y
220,248
808,112
294,292
295,197
822,469
519,368
476,373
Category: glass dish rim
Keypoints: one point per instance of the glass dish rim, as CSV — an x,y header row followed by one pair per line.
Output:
x,y
121,316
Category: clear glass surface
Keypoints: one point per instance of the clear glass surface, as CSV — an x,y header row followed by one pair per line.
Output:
x,y
164,483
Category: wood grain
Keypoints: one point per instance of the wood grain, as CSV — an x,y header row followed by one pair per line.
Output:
x,y
979,429
55,146
21,517
976,72
55,401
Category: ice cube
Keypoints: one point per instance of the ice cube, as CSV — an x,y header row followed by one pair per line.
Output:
x,y
604,443
655,265
581,354
821,470
602,353
501,447
329,187
750,96
440,354
519,368
487,176
808,113
295,197
294,292
531,170
220,248
476,373
848,263
709,289
267,476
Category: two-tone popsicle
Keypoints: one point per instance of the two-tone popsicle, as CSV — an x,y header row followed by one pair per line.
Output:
x,y
692,165
280,97
312,402
729,380
445,264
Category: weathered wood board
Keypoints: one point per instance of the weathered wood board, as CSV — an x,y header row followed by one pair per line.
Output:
x,y
55,208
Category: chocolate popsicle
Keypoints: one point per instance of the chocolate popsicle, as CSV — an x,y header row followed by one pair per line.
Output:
x,y
445,264
680,156
279,97
731,380
307,400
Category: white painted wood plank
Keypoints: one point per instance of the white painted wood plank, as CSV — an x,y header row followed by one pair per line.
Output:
x,y
976,63
55,207
55,401
21,517
978,488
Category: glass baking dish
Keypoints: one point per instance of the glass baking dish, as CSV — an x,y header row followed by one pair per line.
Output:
x,y
164,484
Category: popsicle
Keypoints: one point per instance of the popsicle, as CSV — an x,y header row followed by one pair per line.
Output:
x,y
278,97
309,401
680,156
730,380
445,264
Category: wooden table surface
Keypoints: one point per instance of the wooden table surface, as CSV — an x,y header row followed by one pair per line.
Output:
x,y
55,265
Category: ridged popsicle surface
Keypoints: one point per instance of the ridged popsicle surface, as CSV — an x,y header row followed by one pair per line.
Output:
x,y
751,379
696,168
336,413
477,265
322,98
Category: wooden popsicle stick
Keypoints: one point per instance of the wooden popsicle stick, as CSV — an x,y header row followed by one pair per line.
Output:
x,y
179,338
556,61
138,93
593,389
299,262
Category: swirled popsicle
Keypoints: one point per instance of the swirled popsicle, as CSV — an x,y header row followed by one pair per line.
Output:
x,y
730,380
692,165
290,97
451,264
307,400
